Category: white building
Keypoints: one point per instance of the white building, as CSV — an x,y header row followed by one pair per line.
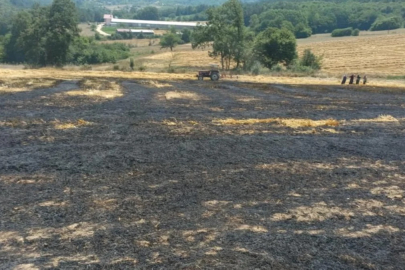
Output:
x,y
149,24
108,18
136,31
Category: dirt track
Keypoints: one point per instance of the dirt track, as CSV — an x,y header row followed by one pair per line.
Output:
x,y
167,175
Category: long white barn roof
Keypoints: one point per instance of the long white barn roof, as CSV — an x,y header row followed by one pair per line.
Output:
x,y
155,22
136,31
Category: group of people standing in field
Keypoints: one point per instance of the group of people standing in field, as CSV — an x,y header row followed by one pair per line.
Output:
x,y
358,79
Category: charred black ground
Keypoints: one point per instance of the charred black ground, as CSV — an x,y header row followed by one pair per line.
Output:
x,y
202,175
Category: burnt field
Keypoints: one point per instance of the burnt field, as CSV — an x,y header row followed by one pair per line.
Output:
x,y
121,174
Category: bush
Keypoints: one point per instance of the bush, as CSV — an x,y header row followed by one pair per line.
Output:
x,y
86,67
277,68
86,51
297,67
309,59
171,70
142,68
116,67
386,24
97,36
356,32
256,68
302,31
131,63
342,32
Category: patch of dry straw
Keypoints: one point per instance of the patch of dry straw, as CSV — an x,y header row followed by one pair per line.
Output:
x,y
291,122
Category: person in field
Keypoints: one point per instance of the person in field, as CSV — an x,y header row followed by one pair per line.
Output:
x,y
344,79
358,79
351,79
364,79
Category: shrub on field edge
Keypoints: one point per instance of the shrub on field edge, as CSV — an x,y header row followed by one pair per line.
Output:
x,y
387,23
277,68
171,70
342,32
131,63
256,68
86,67
309,59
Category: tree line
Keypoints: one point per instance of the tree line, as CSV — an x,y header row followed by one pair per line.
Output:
x,y
302,17
325,16
87,11
49,35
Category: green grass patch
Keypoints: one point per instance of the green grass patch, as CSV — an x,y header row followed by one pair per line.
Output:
x,y
109,29
397,77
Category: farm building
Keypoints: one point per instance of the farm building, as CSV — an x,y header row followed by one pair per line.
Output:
x,y
149,24
108,18
136,31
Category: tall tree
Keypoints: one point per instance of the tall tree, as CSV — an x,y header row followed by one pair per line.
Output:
x,y
14,53
275,46
148,13
33,39
225,32
62,30
234,17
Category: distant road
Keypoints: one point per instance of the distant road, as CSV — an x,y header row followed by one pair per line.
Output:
x,y
101,32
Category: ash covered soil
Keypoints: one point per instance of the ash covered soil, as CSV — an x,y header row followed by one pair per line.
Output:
x,y
202,175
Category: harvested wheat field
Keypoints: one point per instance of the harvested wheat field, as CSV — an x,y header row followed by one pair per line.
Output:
x,y
371,54
174,173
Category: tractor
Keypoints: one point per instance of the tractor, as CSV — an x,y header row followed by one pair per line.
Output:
x,y
213,74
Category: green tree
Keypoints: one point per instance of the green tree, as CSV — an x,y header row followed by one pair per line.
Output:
x,y
186,35
13,52
309,59
254,21
169,40
236,30
225,32
302,31
148,13
387,23
33,38
215,34
274,46
61,31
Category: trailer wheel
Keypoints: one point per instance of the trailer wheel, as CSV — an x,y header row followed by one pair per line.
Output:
x,y
214,77
200,78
